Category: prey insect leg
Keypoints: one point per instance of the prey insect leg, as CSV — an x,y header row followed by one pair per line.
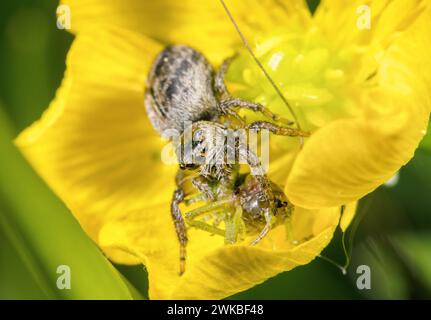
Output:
x,y
207,208
220,217
194,198
235,227
206,227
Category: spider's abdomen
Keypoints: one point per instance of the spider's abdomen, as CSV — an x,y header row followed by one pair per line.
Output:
x,y
180,89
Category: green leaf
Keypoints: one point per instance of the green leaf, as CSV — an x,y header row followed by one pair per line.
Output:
x,y
46,235
426,141
388,279
415,250
312,4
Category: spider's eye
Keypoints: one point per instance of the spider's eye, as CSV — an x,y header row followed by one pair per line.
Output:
x,y
279,203
198,135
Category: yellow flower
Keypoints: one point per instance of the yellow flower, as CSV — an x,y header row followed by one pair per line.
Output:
x,y
364,94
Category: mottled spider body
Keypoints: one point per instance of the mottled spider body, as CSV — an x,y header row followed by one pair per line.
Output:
x,y
182,90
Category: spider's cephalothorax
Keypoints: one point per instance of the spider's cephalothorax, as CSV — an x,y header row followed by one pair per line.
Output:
x,y
183,90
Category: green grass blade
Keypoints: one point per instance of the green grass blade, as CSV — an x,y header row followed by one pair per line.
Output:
x,y
46,235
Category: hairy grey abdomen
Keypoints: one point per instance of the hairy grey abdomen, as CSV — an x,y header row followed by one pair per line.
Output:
x,y
180,89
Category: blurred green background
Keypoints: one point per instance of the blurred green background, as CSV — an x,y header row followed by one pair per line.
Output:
x,y
391,233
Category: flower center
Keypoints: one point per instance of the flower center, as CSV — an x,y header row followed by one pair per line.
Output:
x,y
315,77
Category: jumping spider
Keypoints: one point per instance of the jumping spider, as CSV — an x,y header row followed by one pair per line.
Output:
x,y
182,88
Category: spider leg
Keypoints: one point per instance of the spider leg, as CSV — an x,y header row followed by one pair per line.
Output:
x,y
180,226
219,84
278,130
256,169
234,114
202,184
262,234
230,102
265,230
181,178
223,93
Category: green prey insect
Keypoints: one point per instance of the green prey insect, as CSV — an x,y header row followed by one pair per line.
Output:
x,y
239,204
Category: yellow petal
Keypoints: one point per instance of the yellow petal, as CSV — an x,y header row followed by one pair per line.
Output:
x,y
215,270
94,146
201,24
358,21
349,158
149,235
348,215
